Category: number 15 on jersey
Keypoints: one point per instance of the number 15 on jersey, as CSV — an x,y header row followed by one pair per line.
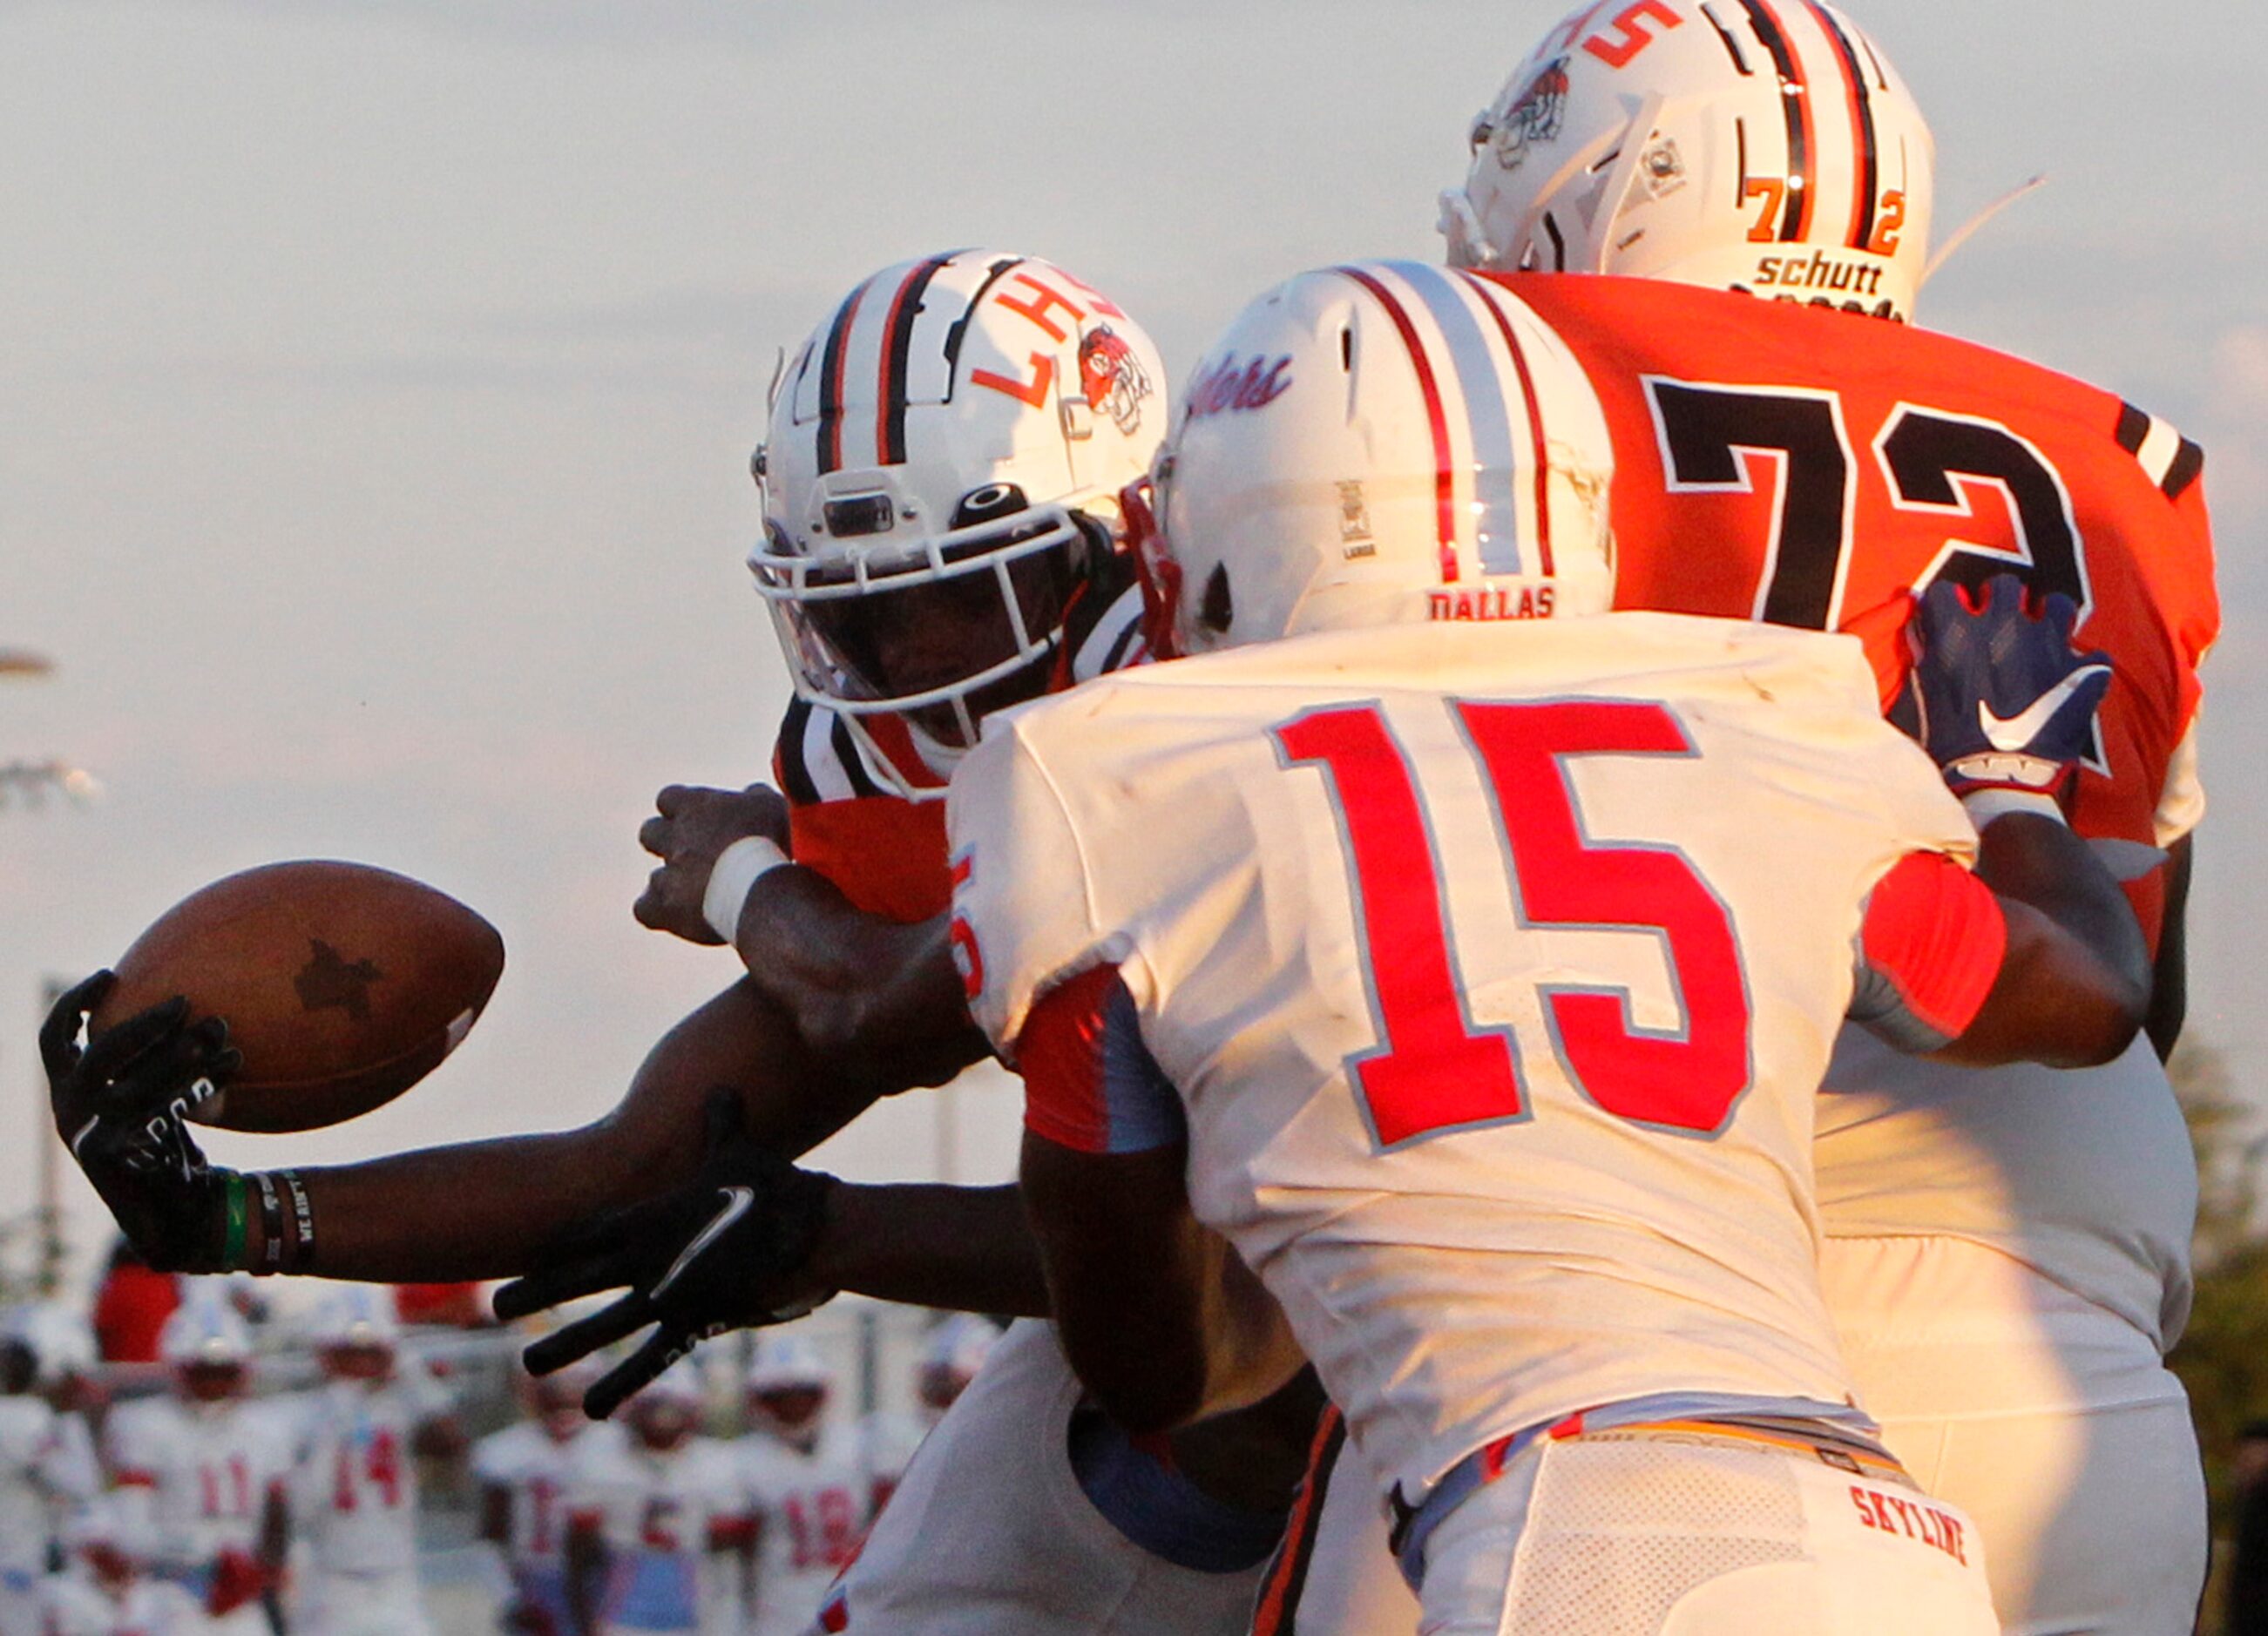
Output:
x,y
1433,1071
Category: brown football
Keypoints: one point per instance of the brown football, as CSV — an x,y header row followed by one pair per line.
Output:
x,y
343,985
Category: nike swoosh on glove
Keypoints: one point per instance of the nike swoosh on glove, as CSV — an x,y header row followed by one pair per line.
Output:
x,y
2005,700
696,1262
119,1105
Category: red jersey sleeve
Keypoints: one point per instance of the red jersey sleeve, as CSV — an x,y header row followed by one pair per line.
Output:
x,y
1929,949
1090,1084
883,852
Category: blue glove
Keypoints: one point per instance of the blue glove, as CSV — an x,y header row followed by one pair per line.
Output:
x,y
2005,701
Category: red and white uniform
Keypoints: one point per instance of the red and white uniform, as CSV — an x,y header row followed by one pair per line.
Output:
x,y
2007,1249
36,1470
667,1517
355,1493
1508,1001
531,1467
195,1485
811,1510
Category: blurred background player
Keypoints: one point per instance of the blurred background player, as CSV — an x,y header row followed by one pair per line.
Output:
x,y
2007,1249
657,1526
63,1345
356,1484
523,1475
204,1475
36,1471
952,1353
810,1495
101,1589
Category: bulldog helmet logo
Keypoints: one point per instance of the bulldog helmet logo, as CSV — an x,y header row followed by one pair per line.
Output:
x,y
1535,115
1113,378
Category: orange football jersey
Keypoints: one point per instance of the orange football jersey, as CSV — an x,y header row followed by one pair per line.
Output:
x,y
1814,468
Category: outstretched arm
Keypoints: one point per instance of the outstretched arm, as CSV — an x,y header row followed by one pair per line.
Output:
x,y
487,1209
474,1210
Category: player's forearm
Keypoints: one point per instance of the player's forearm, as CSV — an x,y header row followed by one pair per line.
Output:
x,y
2074,985
480,1210
962,1249
881,996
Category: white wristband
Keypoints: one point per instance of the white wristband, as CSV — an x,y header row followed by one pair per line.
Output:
x,y
1984,805
738,869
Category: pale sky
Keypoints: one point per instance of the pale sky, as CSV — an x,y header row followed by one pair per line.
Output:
x,y
380,377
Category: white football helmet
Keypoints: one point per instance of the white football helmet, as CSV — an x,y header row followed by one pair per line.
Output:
x,y
787,1362
60,1338
943,463
356,1331
207,1345
1759,145
1381,444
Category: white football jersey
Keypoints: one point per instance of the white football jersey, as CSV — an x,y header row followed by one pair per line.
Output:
x,y
658,1513
355,1487
811,1512
1496,967
33,1472
206,1471
533,1469
2086,1174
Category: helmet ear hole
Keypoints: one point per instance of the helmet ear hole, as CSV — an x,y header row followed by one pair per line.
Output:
x,y
1218,609
988,504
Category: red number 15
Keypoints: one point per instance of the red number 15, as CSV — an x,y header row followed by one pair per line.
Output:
x,y
1432,1070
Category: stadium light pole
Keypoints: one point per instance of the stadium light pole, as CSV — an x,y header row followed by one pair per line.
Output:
x,y
33,779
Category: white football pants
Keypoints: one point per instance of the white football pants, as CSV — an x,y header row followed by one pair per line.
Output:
x,y
2050,1420
1645,1533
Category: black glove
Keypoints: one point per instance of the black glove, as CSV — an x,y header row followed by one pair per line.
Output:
x,y
2005,700
695,1262
119,1105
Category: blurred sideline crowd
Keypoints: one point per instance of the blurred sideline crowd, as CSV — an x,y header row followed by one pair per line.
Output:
x,y
179,1458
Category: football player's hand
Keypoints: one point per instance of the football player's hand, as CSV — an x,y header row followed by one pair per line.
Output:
x,y
721,1253
689,828
2005,700
120,1103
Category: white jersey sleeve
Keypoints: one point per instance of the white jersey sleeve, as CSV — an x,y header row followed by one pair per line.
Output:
x,y
1033,906
2180,804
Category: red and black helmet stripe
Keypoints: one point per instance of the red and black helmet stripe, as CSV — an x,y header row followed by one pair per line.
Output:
x,y
831,360
897,347
1862,125
1795,103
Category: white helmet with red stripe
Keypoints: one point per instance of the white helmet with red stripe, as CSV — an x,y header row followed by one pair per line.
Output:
x,y
1381,444
941,470
1760,145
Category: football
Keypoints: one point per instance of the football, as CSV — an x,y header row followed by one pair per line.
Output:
x,y
343,985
